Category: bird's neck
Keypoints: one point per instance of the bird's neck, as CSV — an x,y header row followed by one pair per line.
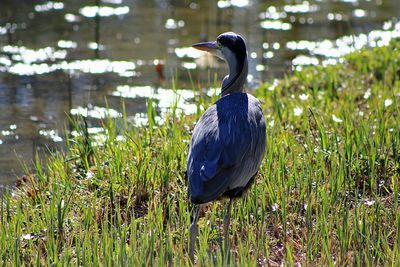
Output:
x,y
234,82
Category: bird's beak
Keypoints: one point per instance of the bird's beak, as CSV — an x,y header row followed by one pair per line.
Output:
x,y
206,46
210,47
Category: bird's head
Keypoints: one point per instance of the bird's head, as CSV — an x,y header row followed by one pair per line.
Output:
x,y
232,48
228,46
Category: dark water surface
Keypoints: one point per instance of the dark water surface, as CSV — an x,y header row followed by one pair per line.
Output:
x,y
60,57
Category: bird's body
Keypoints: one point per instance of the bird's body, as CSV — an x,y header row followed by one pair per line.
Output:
x,y
228,141
226,149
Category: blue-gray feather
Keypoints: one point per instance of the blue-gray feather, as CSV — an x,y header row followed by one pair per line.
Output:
x,y
227,147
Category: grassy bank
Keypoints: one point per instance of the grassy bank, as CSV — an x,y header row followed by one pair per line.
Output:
x,y
327,192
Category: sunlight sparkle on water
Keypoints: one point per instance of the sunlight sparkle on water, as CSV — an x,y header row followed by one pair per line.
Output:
x,y
335,16
116,2
276,25
268,54
229,3
304,7
166,97
30,69
187,52
189,65
141,119
302,60
67,44
3,30
122,68
71,17
10,131
103,11
51,134
359,13
94,46
26,55
347,44
49,6
91,130
97,134
99,66
5,61
273,13
96,112
172,24
260,67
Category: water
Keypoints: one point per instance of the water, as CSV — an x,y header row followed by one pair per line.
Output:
x,y
61,57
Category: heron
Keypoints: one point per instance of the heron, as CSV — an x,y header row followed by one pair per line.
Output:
x,y
228,141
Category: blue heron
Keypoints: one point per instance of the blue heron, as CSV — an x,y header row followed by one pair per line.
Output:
x,y
228,141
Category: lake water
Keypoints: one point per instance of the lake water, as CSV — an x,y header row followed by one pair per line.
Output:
x,y
67,57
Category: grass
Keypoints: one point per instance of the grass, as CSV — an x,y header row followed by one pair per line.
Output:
x,y
327,192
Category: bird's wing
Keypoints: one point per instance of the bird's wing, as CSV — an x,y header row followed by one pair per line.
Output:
x,y
218,144
221,140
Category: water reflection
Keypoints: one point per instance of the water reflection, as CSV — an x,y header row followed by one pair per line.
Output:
x,y
276,25
235,3
166,98
49,6
52,135
172,24
71,17
26,55
95,112
304,7
333,50
187,52
96,66
59,57
103,11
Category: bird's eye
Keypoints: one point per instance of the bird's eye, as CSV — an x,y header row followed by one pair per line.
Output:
x,y
219,44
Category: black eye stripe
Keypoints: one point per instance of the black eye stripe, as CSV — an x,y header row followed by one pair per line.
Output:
x,y
233,42
226,41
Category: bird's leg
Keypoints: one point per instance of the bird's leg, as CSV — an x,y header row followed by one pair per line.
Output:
x,y
226,222
193,232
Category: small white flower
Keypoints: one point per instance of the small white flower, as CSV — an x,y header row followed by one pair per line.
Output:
x,y
388,102
89,174
336,119
271,123
297,111
274,85
303,97
274,207
367,94
369,202
27,236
